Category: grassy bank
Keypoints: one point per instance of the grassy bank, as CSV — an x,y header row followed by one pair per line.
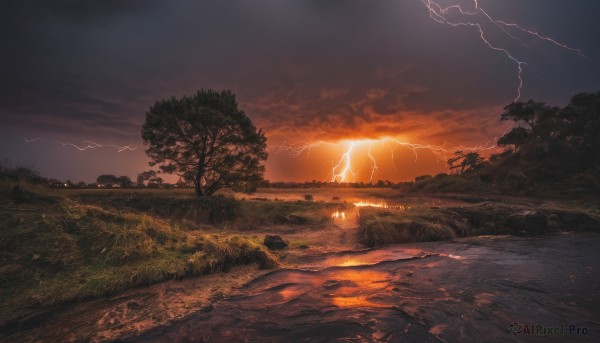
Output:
x,y
380,227
55,250
221,211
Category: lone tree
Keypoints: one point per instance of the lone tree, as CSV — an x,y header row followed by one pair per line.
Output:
x,y
207,139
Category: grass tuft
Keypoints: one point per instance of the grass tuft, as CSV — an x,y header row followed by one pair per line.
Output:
x,y
384,227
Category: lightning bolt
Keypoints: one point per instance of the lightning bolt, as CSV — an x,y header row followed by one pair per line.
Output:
x,y
343,170
94,145
373,163
345,164
28,140
88,145
440,14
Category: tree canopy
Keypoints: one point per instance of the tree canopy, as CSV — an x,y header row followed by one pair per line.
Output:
x,y
548,149
205,138
466,161
557,142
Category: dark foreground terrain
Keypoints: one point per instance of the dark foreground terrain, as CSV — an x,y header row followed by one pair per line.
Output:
x,y
162,265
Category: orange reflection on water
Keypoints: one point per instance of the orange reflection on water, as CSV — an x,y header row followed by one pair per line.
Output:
x,y
355,301
366,279
290,293
414,251
350,263
381,204
339,215
359,284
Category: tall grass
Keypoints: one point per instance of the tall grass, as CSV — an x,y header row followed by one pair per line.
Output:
x,y
220,210
378,227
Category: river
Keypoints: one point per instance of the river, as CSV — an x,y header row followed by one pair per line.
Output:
x,y
496,289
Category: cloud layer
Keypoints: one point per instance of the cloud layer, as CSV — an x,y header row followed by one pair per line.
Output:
x,y
302,70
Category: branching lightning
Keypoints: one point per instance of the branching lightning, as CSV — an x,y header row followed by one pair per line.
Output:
x,y
344,171
452,15
87,145
344,167
441,15
29,140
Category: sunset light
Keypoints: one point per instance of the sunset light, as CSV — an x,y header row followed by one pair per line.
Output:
x,y
369,160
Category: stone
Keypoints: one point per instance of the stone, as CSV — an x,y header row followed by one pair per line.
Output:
x,y
274,242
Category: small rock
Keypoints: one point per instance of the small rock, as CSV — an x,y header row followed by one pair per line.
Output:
x,y
304,246
274,242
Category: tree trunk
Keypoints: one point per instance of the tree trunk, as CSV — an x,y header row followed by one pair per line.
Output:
x,y
212,189
198,179
198,187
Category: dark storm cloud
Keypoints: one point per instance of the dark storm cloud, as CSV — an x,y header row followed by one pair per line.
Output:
x,y
324,69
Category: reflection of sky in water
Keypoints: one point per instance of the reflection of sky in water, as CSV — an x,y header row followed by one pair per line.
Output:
x,y
368,257
355,283
451,294
379,204
340,215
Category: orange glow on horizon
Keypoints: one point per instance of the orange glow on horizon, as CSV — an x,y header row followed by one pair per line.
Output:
x,y
368,159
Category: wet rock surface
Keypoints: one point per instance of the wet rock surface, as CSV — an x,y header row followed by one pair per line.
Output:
x,y
469,290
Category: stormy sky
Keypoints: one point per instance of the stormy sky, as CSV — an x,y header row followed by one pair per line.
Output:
x,y
303,70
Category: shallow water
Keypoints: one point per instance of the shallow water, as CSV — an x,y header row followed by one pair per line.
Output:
x,y
469,290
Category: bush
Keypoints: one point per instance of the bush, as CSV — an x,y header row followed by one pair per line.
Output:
x,y
441,176
422,177
10,171
383,227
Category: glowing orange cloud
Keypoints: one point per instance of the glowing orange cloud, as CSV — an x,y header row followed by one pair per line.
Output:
x,y
350,152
